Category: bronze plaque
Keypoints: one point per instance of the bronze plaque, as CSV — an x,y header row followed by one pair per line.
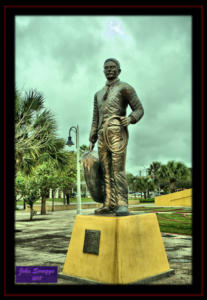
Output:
x,y
91,242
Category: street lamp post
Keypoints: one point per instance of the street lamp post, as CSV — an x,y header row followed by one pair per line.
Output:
x,y
70,143
143,169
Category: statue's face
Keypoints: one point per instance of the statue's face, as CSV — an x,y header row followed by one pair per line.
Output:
x,y
111,70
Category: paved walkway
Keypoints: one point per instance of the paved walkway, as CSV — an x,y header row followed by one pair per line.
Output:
x,y
44,242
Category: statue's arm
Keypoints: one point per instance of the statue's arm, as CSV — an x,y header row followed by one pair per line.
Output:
x,y
94,128
135,104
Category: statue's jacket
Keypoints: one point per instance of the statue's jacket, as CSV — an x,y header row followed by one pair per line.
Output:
x,y
119,96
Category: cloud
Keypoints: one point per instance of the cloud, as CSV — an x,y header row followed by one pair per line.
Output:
x,y
63,56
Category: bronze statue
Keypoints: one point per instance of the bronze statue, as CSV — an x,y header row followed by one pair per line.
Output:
x,y
109,127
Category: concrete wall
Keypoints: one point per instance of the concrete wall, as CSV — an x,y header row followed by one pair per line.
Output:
x,y
182,198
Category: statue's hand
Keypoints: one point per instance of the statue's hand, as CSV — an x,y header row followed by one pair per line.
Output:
x,y
91,146
125,121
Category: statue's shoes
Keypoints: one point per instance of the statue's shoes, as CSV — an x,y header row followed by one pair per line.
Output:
x,y
103,210
122,211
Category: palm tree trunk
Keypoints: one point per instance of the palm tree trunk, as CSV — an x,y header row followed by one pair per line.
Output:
x,y
159,189
43,205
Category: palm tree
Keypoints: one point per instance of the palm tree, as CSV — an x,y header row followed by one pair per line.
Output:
x,y
26,144
130,181
35,134
137,185
153,172
35,131
141,184
147,186
182,175
172,174
150,187
83,148
164,176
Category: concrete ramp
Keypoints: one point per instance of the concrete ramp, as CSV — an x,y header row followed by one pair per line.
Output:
x,y
182,198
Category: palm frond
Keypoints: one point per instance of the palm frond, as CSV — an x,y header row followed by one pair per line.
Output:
x,y
33,101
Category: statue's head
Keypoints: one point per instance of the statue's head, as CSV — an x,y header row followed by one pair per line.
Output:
x,y
111,68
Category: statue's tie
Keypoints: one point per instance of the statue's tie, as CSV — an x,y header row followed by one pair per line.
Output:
x,y
106,93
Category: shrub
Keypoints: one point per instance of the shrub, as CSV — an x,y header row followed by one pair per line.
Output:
x,y
147,200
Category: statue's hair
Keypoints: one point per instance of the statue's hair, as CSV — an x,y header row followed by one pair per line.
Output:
x,y
114,60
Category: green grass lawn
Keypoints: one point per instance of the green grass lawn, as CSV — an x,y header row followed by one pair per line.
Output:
x,y
175,223
157,209
72,200
171,222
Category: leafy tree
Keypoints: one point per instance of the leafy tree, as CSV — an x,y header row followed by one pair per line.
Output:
x,y
42,175
46,176
28,189
19,187
20,184
53,182
32,195
70,182
68,176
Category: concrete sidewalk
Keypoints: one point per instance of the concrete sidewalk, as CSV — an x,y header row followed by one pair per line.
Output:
x,y
44,242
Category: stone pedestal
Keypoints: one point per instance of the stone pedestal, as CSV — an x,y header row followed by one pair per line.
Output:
x,y
116,250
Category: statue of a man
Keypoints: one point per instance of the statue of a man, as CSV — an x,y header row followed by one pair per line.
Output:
x,y
112,101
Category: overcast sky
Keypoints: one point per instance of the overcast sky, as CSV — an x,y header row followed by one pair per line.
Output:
x,y
62,57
